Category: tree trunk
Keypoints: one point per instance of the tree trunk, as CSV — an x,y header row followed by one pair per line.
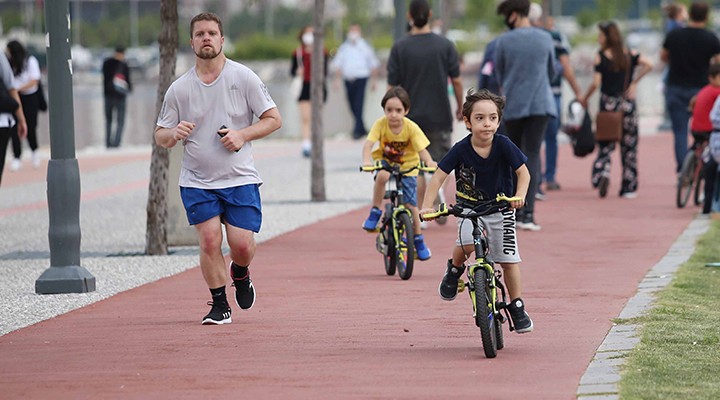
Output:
x,y
317,84
156,233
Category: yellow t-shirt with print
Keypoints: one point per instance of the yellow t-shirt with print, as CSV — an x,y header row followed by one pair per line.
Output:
x,y
401,148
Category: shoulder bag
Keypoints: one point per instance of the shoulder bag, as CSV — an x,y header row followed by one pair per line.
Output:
x,y
40,93
609,124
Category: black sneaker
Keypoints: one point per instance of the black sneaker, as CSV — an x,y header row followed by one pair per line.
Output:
x,y
219,314
521,320
244,290
603,184
448,288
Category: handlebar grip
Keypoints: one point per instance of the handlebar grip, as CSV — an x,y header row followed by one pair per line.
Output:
x,y
502,197
442,210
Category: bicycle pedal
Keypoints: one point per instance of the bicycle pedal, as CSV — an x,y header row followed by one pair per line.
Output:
x,y
461,286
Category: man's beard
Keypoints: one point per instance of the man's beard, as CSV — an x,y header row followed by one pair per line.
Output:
x,y
208,55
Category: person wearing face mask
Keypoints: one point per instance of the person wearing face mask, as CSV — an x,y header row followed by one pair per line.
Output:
x,y
524,66
300,65
356,63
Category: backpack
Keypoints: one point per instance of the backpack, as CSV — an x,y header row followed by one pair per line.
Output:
x,y
581,135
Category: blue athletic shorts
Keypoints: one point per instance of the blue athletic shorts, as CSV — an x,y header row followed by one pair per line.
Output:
x,y
238,206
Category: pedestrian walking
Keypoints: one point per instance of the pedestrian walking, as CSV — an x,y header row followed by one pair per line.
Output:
x,y
300,65
421,63
688,51
26,71
9,120
210,109
524,59
617,73
563,69
356,63
116,86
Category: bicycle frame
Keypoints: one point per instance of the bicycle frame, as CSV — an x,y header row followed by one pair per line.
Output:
x,y
481,261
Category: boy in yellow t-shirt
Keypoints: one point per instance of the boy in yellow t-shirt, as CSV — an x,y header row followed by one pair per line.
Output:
x,y
401,142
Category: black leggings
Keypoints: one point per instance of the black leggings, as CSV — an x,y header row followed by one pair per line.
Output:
x,y
30,110
4,139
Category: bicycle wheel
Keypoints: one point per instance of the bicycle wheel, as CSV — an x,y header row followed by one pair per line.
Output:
x,y
499,340
406,245
390,256
484,318
699,196
686,179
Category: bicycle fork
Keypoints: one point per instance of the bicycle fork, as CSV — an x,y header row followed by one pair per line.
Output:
x,y
494,282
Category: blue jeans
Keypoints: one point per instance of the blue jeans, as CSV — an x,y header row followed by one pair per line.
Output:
x,y
355,90
551,145
677,99
117,104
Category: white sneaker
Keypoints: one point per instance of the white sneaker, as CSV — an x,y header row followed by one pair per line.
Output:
x,y
15,164
629,195
35,159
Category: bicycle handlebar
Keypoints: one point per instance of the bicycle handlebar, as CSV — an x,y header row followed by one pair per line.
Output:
x,y
486,207
384,165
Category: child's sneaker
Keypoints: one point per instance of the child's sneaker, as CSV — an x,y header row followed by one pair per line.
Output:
x,y
421,250
372,220
521,320
219,314
449,285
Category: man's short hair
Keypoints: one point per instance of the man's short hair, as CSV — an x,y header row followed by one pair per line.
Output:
x,y
699,11
206,16
507,7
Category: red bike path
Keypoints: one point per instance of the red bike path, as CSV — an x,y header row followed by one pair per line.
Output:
x,y
328,322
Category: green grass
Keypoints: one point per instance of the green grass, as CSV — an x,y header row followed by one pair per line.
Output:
x,y
679,352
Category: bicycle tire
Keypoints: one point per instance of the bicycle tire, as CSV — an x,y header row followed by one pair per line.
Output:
x,y
390,256
484,317
406,249
499,340
699,195
686,179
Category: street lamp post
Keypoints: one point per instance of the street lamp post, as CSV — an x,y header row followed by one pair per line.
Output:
x,y
65,274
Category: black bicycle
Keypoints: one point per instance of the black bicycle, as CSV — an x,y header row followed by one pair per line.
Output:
x,y
396,232
484,281
690,177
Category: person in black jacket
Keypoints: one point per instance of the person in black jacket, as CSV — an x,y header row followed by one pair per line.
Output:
x,y
116,86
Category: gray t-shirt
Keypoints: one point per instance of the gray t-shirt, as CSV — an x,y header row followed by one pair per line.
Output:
x,y
524,60
233,99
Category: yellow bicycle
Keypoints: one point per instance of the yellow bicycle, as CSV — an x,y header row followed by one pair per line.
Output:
x,y
395,235
484,284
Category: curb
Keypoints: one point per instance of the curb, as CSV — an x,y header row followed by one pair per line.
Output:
x,y
602,376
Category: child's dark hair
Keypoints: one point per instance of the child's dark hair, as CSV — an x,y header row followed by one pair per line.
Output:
x,y
714,70
473,97
400,93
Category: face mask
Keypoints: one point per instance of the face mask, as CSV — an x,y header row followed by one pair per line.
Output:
x,y
307,38
510,25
